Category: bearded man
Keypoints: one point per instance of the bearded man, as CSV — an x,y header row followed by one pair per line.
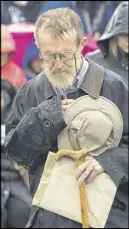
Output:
x,y
37,115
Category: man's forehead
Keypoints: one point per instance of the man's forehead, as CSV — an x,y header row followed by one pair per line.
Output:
x,y
46,40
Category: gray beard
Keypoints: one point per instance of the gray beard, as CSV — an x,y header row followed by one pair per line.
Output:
x,y
60,81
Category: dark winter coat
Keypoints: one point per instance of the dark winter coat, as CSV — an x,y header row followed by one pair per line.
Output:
x,y
8,92
15,197
35,122
11,176
117,25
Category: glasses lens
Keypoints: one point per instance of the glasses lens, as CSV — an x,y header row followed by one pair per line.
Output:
x,y
66,57
52,57
49,58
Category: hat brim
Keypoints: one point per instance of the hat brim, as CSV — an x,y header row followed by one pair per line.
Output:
x,y
87,103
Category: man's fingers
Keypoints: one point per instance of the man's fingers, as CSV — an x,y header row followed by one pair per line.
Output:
x,y
91,176
80,170
88,170
64,107
94,174
84,176
67,101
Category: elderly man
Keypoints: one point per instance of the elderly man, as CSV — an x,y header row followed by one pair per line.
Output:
x,y
37,116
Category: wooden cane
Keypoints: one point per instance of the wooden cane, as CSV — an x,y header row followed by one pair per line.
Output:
x,y
78,156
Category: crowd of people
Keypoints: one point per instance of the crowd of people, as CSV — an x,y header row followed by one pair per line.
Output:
x,y
36,96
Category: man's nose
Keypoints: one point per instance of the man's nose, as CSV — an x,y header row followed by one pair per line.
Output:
x,y
58,63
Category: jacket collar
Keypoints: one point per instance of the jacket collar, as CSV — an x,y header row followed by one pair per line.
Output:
x,y
93,80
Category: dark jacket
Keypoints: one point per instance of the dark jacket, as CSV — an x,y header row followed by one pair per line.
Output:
x,y
36,121
16,199
31,52
14,193
117,25
8,92
14,180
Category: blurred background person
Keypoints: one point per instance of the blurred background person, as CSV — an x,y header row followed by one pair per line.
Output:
x,y
48,5
90,6
31,61
19,11
15,195
9,70
114,43
102,15
8,93
89,9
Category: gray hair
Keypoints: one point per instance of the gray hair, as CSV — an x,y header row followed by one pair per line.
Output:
x,y
59,22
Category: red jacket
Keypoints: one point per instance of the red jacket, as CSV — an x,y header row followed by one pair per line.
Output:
x,y
10,71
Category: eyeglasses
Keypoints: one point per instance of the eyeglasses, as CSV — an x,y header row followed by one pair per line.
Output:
x,y
51,58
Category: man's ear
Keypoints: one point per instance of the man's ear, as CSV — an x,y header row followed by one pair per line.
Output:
x,y
83,42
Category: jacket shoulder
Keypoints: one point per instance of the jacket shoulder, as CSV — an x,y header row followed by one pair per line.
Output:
x,y
29,86
26,94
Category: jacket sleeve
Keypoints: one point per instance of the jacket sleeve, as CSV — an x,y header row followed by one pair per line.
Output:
x,y
115,161
30,134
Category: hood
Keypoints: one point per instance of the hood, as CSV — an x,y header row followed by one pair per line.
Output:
x,y
7,41
31,52
118,24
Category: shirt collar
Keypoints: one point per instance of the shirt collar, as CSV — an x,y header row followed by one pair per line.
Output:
x,y
82,72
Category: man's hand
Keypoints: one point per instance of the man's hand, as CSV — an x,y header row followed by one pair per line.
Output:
x,y
66,103
88,170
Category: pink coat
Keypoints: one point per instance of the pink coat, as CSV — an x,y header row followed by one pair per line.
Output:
x,y
10,71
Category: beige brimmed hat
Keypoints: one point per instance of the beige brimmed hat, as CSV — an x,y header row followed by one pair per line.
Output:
x,y
94,125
